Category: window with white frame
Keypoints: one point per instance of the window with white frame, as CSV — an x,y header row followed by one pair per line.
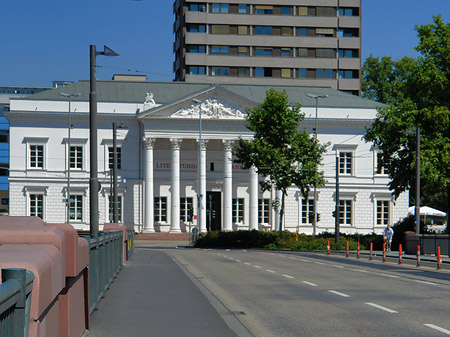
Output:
x,y
185,205
36,202
307,209
36,156
111,157
380,168
160,209
76,157
263,211
383,210
76,207
345,212
346,163
238,210
111,207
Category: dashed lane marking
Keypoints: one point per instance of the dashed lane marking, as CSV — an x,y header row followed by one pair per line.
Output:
x,y
310,284
426,282
387,275
270,271
288,276
361,270
339,293
337,266
257,266
438,328
382,308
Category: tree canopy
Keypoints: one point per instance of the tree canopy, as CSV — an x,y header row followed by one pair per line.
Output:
x,y
279,150
416,91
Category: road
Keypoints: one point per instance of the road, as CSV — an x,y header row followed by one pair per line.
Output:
x,y
303,294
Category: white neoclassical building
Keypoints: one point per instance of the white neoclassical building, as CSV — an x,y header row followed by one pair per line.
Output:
x,y
158,149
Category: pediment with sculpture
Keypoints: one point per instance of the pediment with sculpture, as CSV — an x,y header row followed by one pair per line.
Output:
x,y
210,109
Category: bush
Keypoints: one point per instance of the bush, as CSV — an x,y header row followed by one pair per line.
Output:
x,y
287,240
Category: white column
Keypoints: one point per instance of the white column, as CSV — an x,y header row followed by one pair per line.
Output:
x,y
175,188
148,210
227,186
202,173
253,207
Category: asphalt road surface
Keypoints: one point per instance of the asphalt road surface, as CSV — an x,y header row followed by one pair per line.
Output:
x,y
303,294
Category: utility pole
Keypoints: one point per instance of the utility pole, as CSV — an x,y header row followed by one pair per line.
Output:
x,y
337,208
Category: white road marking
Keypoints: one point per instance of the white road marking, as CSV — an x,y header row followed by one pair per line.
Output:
x,y
426,282
387,275
270,271
361,270
338,293
321,263
337,266
438,328
304,260
310,284
237,260
382,308
288,276
247,263
257,266
227,250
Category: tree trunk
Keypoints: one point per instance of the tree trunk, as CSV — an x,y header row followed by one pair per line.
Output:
x,y
280,226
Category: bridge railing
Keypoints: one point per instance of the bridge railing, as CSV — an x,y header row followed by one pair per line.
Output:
x,y
429,244
105,261
15,300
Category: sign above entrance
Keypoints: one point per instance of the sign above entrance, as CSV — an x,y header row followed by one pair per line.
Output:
x,y
190,166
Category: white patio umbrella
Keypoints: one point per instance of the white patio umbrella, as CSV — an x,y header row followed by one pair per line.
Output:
x,y
427,211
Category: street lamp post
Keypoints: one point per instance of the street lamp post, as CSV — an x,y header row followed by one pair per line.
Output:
x,y
417,206
200,168
316,97
417,210
69,96
93,180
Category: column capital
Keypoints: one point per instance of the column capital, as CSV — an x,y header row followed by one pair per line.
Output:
x,y
227,144
204,144
176,143
148,142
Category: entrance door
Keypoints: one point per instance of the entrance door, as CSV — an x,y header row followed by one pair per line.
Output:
x,y
213,211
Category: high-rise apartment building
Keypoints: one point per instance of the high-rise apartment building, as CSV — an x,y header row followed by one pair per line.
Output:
x,y
279,42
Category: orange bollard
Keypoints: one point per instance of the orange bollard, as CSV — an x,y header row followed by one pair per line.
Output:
x,y
384,252
400,253
371,251
438,257
328,247
357,252
347,248
418,256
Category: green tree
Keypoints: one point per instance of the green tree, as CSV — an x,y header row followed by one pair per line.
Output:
x,y
416,91
279,150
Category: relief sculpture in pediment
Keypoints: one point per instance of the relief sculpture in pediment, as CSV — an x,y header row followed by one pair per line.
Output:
x,y
210,108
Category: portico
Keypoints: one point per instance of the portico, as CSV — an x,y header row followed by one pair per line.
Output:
x,y
217,174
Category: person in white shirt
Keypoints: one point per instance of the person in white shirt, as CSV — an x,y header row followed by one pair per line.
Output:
x,y
388,233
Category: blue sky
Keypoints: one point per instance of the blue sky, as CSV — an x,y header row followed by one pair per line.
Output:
x,y
49,40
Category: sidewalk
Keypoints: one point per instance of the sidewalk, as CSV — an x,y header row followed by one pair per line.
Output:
x,y
152,296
